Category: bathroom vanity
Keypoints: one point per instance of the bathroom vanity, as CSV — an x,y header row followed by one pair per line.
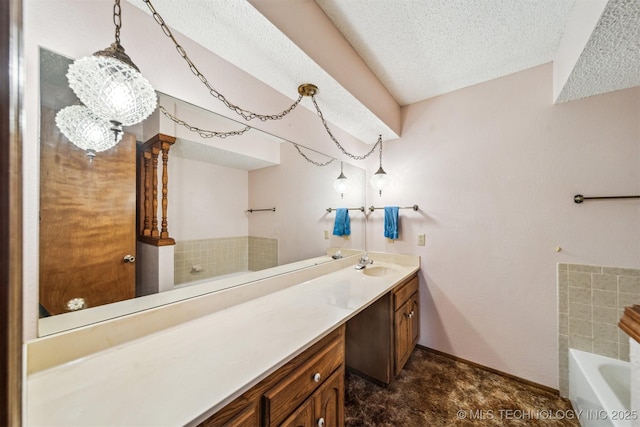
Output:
x,y
271,352
382,336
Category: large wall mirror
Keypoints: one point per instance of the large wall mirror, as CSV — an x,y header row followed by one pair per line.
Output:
x,y
239,209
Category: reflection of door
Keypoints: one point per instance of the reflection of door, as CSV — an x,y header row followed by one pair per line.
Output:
x,y
87,221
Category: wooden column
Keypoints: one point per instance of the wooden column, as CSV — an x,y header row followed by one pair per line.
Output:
x,y
146,206
164,232
148,191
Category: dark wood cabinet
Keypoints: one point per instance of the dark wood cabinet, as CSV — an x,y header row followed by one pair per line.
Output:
x,y
324,408
380,339
306,390
406,329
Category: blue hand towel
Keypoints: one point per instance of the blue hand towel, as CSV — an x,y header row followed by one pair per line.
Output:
x,y
342,226
391,222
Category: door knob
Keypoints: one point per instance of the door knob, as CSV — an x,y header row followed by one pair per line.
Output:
x,y
129,258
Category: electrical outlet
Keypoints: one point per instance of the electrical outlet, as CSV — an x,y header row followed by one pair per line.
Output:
x,y
421,239
326,234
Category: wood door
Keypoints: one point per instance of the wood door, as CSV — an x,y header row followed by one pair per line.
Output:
x,y
87,221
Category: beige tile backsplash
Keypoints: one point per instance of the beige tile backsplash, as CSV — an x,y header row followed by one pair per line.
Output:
x,y
222,256
591,300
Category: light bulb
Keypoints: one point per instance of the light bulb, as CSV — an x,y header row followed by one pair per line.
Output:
x,y
380,180
112,89
341,184
86,130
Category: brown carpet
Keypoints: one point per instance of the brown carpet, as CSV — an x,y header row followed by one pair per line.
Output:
x,y
433,390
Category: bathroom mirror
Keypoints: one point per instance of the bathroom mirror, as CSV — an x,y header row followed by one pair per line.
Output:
x,y
240,209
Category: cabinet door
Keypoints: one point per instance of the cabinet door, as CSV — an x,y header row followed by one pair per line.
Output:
x,y
302,417
247,417
329,402
402,331
415,319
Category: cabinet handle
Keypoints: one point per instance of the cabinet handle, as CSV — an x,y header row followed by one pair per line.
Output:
x,y
129,258
317,377
321,422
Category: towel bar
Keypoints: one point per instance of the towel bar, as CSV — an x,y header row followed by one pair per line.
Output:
x,y
414,207
579,198
361,209
260,210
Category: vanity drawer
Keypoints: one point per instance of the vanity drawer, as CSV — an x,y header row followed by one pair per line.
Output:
x,y
289,393
403,292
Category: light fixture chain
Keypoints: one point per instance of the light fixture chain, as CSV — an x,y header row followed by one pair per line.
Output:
x,y
202,132
245,114
326,126
117,19
308,159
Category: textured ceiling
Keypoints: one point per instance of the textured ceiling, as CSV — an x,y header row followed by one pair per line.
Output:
x,y
417,49
421,49
237,32
611,58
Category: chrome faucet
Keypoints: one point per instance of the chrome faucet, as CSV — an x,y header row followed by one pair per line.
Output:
x,y
364,261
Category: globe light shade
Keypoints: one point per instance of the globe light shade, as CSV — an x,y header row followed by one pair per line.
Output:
x,y
86,130
380,180
112,89
341,184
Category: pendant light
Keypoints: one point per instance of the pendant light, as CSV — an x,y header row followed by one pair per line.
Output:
x,y
111,85
341,184
86,130
380,179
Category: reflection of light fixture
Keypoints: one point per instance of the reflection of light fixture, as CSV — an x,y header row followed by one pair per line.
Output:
x,y
341,184
86,130
110,84
380,180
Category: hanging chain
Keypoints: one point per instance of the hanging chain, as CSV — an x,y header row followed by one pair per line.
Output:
x,y
326,126
202,132
117,19
308,159
246,114
380,141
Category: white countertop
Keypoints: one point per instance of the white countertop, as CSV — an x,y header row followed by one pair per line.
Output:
x,y
186,373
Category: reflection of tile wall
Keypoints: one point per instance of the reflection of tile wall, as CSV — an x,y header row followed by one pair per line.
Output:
x,y
263,253
225,255
591,301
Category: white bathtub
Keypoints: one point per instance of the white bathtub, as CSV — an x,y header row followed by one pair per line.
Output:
x,y
600,390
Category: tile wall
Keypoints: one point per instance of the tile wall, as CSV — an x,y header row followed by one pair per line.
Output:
x,y
591,300
263,253
222,256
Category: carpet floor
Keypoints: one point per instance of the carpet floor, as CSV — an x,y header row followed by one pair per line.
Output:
x,y
434,390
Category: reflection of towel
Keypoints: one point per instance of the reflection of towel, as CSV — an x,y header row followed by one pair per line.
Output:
x,y
342,226
391,222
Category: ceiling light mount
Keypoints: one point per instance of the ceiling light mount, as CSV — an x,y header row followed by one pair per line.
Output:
x,y
308,89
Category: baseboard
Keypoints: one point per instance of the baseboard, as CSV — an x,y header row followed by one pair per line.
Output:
x,y
495,371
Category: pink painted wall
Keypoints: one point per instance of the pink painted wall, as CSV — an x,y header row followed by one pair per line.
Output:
x,y
301,192
494,168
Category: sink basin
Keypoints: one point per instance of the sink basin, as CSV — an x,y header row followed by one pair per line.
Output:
x,y
378,270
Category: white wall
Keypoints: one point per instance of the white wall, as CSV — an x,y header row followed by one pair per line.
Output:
x,y
494,168
301,192
206,200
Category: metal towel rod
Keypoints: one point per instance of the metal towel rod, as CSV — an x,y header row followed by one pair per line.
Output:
x,y
579,198
414,207
361,209
260,210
